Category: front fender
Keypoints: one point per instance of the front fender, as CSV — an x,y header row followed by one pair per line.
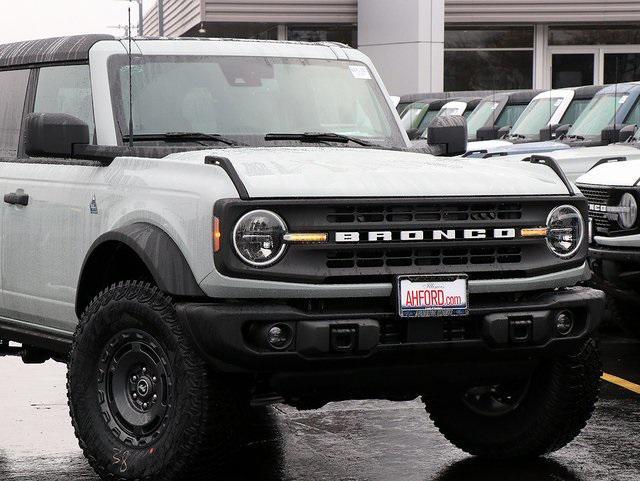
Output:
x,y
159,253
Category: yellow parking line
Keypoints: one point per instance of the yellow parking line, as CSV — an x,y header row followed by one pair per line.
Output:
x,y
618,381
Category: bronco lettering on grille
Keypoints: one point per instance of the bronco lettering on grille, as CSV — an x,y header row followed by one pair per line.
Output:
x,y
425,235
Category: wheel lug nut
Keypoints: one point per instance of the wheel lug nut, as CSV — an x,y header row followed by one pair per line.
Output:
x,y
134,378
144,369
154,379
135,396
145,405
155,397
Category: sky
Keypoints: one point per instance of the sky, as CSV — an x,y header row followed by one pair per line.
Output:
x,y
32,19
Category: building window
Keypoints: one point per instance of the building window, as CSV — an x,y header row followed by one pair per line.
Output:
x,y
621,67
347,34
488,58
595,35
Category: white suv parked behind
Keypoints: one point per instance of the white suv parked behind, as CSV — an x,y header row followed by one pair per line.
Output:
x,y
205,225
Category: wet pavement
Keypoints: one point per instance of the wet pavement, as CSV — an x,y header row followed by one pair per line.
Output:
x,y
351,441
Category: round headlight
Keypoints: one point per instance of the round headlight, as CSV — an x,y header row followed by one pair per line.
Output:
x,y
566,230
258,238
629,213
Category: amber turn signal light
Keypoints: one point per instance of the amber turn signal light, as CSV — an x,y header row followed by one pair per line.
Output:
x,y
309,237
534,232
216,234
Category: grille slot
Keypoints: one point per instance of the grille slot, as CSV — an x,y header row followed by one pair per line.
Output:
x,y
389,214
455,256
599,196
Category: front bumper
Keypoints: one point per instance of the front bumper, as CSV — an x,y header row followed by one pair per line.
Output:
x,y
233,336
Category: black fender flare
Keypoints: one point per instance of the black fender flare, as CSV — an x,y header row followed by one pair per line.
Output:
x,y
159,253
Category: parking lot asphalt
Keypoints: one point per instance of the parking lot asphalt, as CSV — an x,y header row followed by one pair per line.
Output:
x,y
350,441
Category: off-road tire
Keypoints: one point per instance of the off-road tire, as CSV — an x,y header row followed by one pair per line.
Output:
x,y
626,314
205,418
557,405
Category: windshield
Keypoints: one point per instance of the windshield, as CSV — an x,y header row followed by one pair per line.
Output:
x,y
480,116
598,114
510,114
413,115
246,98
576,107
536,116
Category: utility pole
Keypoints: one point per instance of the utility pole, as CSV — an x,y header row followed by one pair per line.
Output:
x,y
140,17
161,18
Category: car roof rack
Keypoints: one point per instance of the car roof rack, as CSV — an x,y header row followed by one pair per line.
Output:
x,y
551,163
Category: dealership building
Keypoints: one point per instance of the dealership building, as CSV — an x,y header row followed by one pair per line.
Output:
x,y
435,45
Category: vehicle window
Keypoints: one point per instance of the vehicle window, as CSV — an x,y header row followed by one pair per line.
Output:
x,y
479,117
413,115
249,97
634,116
536,116
510,115
599,113
66,90
426,120
576,107
13,89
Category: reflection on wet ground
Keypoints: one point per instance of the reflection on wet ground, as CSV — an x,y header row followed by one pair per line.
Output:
x,y
352,441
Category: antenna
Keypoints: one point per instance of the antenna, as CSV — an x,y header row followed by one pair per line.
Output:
x,y
130,86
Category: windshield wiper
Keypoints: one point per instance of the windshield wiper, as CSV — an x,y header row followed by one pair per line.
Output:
x,y
314,137
196,137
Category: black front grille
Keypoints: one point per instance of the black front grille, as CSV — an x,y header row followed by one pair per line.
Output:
x,y
599,196
414,213
367,259
423,257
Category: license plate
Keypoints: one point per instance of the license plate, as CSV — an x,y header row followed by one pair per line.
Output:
x,y
433,296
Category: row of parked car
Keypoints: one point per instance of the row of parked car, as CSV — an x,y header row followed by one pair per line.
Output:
x,y
591,134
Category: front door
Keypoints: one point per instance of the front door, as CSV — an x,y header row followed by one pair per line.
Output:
x,y
47,222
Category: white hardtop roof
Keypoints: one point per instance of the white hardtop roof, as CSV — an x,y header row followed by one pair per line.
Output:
x,y
232,47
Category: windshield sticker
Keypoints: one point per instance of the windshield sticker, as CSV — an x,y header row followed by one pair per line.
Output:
x,y
360,72
558,102
623,99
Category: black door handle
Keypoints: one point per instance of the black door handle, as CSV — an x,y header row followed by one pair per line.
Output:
x,y
17,198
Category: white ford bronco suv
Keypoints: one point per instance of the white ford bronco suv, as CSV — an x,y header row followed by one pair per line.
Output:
x,y
202,226
611,188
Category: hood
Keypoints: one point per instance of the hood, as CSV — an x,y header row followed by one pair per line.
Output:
x,y
353,172
619,174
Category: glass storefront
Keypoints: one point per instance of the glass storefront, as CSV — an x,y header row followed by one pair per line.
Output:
x,y
502,57
347,34
488,58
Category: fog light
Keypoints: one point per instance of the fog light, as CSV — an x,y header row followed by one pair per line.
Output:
x,y
564,322
279,336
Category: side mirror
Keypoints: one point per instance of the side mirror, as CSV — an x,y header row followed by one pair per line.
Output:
x,y
617,133
488,133
549,132
54,135
504,131
562,131
449,134
414,134
395,100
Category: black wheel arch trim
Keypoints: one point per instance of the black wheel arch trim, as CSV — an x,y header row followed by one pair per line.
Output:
x,y
158,252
